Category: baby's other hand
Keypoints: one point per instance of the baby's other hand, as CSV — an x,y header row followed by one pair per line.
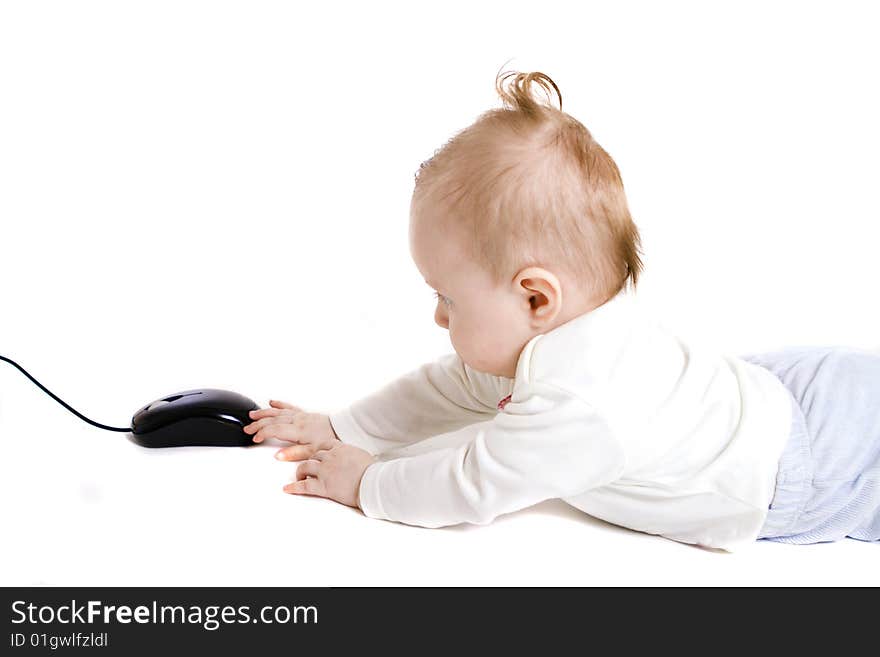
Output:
x,y
333,473
310,431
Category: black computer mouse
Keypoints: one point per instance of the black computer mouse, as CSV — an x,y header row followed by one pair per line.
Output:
x,y
194,417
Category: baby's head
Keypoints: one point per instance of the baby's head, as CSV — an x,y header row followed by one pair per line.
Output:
x,y
520,223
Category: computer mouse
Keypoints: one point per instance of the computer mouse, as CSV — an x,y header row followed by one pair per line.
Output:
x,y
203,417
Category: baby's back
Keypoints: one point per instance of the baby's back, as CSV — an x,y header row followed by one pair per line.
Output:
x,y
702,431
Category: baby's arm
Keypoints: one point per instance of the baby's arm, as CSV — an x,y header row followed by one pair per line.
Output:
x,y
547,443
435,398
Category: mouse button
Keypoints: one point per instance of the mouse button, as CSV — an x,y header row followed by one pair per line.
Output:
x,y
214,400
189,393
156,414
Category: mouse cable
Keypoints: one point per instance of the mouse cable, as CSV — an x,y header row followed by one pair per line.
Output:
x,y
61,401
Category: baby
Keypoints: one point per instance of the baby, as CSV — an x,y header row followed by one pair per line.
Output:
x,y
521,226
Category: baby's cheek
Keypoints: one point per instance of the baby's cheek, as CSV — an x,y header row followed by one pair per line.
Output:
x,y
459,341
479,349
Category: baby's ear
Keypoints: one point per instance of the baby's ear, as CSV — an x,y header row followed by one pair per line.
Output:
x,y
542,294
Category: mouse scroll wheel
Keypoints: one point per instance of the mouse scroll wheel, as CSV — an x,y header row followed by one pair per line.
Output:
x,y
156,404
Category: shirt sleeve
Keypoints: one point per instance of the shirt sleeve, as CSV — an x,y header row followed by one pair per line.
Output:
x,y
435,398
546,444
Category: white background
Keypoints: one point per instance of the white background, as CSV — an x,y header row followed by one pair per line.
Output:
x,y
215,194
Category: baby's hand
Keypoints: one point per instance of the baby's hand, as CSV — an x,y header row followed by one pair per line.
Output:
x,y
310,431
333,473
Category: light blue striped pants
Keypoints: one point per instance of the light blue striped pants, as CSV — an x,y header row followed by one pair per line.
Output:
x,y
828,484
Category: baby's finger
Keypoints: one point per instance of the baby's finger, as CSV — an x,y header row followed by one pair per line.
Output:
x,y
307,469
280,404
253,427
279,430
306,487
294,453
265,412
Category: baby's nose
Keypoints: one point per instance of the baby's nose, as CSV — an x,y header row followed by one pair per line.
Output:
x,y
441,318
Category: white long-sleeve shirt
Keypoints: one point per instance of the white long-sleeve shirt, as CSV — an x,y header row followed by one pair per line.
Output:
x,y
610,412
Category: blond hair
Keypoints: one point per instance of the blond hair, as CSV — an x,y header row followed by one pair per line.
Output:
x,y
531,186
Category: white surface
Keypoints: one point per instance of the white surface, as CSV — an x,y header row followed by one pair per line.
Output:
x,y
215,195
86,509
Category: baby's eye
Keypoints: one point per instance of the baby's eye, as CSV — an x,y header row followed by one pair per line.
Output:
x,y
437,295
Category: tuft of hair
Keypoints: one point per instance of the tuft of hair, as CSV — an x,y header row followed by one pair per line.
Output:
x,y
531,186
